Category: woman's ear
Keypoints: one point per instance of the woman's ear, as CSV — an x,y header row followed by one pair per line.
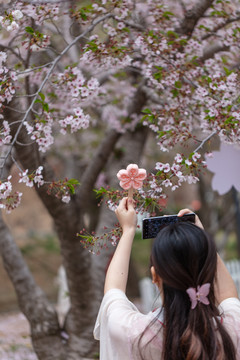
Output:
x,y
156,278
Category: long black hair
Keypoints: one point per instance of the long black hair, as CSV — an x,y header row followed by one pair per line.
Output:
x,y
184,256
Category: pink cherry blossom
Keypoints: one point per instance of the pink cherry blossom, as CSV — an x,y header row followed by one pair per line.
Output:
x,y
196,156
132,177
178,158
66,199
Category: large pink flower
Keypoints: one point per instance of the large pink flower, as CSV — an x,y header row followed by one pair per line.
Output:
x,y
132,177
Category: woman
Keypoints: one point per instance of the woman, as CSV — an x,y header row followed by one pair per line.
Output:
x,y
200,316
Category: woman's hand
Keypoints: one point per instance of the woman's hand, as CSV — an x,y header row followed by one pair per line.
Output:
x,y
117,273
197,220
126,214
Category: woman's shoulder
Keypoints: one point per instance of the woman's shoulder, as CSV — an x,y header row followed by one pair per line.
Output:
x,y
230,313
230,304
116,298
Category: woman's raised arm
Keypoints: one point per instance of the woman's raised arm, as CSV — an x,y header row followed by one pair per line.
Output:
x,y
117,273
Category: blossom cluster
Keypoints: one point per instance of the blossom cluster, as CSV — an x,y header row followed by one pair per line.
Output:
x,y
111,55
30,179
96,243
73,81
38,41
10,20
74,122
9,200
188,87
7,89
40,12
5,137
63,189
182,170
41,131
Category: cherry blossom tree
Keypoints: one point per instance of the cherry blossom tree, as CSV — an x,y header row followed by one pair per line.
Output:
x,y
111,73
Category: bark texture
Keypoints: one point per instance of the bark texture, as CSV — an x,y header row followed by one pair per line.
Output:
x,y
192,16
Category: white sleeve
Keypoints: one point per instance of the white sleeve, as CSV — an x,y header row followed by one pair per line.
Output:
x,y
114,303
230,311
117,326
230,304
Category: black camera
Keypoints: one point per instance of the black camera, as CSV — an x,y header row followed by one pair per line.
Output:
x,y
151,226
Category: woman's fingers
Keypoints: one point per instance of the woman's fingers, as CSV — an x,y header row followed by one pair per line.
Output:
x,y
122,204
184,211
187,211
130,203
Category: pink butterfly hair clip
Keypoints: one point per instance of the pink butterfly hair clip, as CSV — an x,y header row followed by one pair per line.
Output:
x,y
199,295
131,178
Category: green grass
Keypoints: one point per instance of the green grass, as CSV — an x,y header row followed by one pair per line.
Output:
x,y
47,242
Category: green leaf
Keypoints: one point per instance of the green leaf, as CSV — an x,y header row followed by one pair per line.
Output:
x,y
73,182
38,101
45,107
183,41
178,84
148,201
224,60
42,96
167,14
150,118
174,92
100,192
29,30
71,189
92,46
204,27
172,34
227,71
52,95
144,118
83,14
161,133
39,35
158,75
229,120
146,111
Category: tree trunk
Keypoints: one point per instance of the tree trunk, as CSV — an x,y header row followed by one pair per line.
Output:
x,y
45,329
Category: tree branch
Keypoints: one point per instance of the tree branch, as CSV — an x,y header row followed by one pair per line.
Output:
x,y
211,51
54,63
97,164
221,26
5,47
33,69
205,140
192,16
